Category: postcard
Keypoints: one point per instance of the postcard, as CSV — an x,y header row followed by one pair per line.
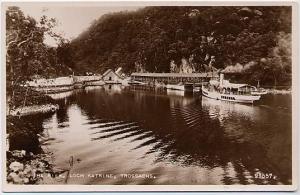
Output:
x,y
149,96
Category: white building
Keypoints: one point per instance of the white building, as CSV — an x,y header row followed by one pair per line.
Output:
x,y
111,77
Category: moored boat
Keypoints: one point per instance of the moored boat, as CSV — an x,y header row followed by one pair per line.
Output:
x,y
232,92
179,86
259,92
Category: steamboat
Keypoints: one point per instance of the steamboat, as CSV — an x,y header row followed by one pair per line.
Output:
x,y
232,92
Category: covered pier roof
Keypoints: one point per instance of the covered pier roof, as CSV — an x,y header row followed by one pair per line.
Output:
x,y
181,75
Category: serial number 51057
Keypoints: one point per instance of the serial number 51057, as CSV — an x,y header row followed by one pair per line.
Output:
x,y
259,175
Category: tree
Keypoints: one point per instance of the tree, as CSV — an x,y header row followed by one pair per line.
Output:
x,y
279,63
26,53
154,37
65,54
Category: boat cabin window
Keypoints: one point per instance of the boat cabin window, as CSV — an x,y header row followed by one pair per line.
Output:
x,y
227,98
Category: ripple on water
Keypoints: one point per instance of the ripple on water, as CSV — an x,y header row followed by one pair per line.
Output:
x,y
179,139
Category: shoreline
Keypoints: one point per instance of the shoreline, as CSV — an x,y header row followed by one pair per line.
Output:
x,y
279,91
25,157
34,109
47,104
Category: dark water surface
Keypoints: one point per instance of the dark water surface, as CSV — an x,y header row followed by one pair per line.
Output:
x,y
178,138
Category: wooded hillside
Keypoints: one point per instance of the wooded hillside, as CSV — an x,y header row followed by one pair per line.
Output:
x,y
255,41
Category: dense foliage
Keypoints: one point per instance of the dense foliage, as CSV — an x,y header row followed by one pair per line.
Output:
x,y
254,40
27,56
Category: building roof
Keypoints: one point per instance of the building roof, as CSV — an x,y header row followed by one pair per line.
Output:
x,y
120,73
106,72
234,85
209,74
110,70
227,84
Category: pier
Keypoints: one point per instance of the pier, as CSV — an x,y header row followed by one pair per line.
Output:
x,y
189,80
174,78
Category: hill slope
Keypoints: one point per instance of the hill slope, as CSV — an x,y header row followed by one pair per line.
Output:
x,y
255,41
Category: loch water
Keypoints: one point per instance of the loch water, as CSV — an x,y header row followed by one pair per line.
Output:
x,y
130,135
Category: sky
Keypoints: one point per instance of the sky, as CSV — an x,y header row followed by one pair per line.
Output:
x,y
72,19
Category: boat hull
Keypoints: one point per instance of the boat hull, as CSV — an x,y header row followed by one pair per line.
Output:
x,y
249,99
175,87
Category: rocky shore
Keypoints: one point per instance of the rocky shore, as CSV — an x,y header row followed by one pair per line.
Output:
x,y
25,159
27,168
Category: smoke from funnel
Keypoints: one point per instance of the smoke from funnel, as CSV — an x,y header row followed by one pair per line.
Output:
x,y
239,68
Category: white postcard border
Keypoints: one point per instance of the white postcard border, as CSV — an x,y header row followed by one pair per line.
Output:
x,y
159,188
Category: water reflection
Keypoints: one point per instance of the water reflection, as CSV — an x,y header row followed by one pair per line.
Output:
x,y
171,92
62,95
182,139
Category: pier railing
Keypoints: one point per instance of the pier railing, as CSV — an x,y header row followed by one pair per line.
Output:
x,y
174,77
